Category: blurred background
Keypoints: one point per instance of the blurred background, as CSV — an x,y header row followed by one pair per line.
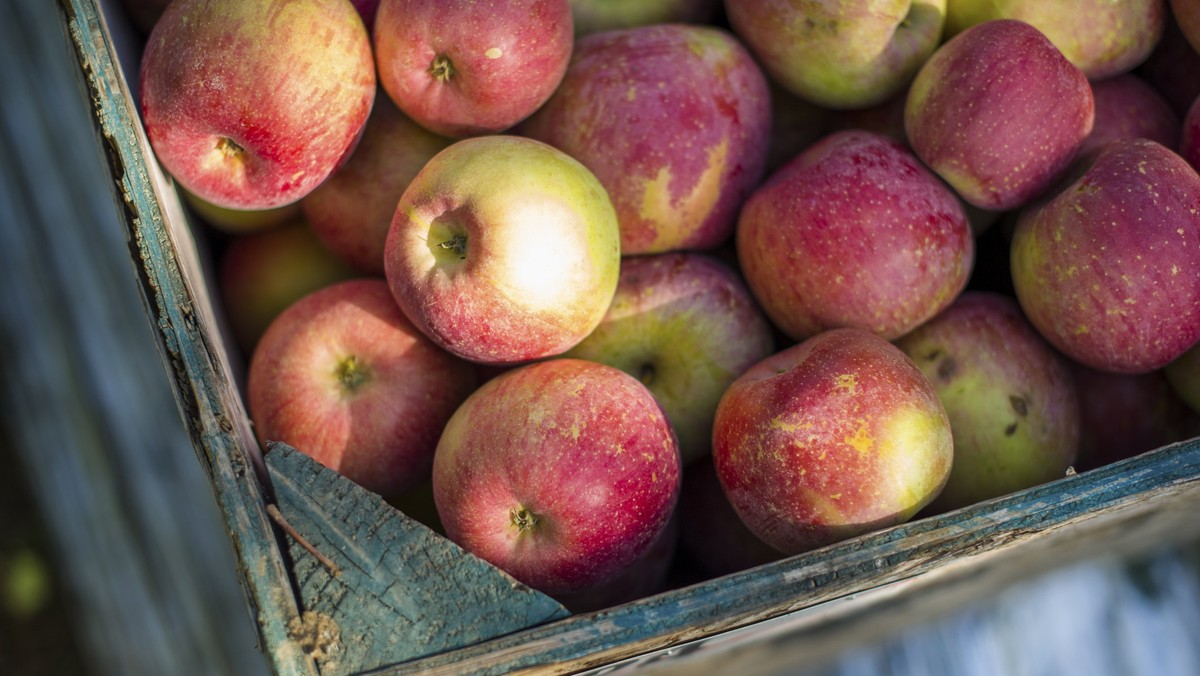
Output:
x,y
113,559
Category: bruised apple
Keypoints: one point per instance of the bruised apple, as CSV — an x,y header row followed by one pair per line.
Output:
x,y
563,473
831,438
251,105
342,376
674,120
504,250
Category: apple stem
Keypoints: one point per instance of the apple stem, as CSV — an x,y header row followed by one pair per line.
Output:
x,y
349,373
457,244
523,519
441,68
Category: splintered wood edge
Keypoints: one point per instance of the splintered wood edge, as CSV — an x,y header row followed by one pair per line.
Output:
x,y
1149,496
165,264
394,589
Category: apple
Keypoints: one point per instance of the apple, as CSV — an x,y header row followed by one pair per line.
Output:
x,y
595,16
342,376
673,120
260,274
561,472
831,438
352,210
1107,268
1101,37
1183,375
850,54
240,221
1128,414
999,113
854,232
251,105
686,326
1013,408
504,250
471,67
712,538
1127,107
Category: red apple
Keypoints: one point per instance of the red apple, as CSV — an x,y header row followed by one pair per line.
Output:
x,y
1189,139
673,120
504,250
1127,107
854,232
470,67
831,438
1011,400
260,274
352,210
686,326
251,105
999,113
1107,269
342,376
561,472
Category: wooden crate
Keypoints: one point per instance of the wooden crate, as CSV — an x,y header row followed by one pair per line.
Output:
x,y
392,596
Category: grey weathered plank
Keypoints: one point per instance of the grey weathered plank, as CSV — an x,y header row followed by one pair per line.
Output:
x,y
401,591
168,269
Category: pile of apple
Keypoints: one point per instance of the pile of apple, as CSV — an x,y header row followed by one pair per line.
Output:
x,y
626,279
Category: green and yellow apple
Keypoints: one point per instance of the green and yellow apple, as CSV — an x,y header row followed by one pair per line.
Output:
x,y
504,250
595,16
686,326
1012,403
850,54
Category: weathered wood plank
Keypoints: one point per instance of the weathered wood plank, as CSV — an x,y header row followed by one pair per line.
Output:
x,y
401,591
168,269
1155,493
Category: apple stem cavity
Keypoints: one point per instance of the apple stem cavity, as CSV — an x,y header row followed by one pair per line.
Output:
x,y
350,374
523,519
441,68
229,148
646,373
